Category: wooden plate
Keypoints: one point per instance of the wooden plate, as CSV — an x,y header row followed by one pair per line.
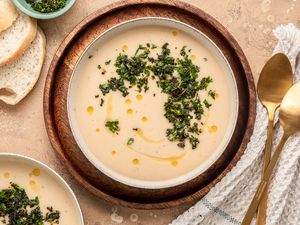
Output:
x,y
56,116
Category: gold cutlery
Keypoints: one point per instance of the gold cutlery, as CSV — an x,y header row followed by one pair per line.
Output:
x,y
274,81
289,118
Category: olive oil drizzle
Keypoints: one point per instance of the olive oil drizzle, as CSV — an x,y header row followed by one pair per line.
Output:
x,y
109,108
160,158
141,134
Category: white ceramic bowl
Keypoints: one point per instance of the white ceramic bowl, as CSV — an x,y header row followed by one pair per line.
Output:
x,y
206,42
16,159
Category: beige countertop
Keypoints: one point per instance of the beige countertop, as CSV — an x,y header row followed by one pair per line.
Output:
x,y
22,127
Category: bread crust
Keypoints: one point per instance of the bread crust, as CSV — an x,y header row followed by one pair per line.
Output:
x,y
17,97
25,44
8,14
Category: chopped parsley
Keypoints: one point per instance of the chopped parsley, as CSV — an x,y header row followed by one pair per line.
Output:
x,y
181,144
47,6
107,62
132,71
212,94
153,46
52,216
101,102
130,141
16,208
113,126
205,81
176,77
207,104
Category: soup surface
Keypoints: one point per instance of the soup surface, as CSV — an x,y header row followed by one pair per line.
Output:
x,y
38,183
141,149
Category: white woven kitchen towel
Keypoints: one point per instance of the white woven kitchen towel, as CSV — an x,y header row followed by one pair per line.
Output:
x,y
227,202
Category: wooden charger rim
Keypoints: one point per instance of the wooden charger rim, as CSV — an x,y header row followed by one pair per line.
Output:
x,y
56,116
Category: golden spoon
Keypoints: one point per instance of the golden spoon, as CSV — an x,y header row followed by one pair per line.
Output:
x,y
289,118
274,81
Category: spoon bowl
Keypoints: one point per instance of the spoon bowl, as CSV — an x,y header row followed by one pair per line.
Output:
x,y
289,115
275,80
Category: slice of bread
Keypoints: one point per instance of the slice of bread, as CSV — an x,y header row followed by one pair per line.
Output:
x,y
19,77
8,14
17,38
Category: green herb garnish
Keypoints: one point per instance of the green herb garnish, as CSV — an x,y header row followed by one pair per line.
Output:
x,y
193,141
17,209
113,126
153,46
47,6
107,62
176,77
205,82
101,102
131,70
130,141
207,104
212,94
52,216
183,105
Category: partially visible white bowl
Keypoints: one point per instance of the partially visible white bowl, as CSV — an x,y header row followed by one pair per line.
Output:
x,y
16,158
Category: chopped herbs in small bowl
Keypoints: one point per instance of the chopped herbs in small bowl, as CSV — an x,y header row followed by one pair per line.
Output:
x,y
44,9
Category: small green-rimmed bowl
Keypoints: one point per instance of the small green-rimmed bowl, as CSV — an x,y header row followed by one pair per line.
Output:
x,y
28,10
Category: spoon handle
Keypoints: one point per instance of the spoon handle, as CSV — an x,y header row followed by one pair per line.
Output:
x,y
262,208
263,184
